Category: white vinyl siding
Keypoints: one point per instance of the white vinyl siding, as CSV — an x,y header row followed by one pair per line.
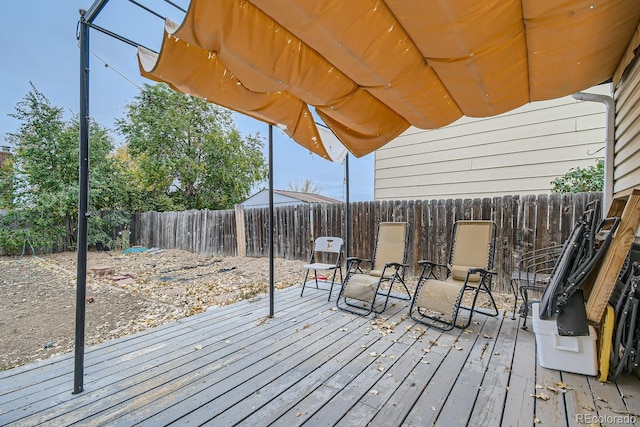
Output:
x,y
626,174
519,152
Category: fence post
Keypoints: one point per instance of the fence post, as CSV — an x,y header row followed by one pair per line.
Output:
x,y
241,241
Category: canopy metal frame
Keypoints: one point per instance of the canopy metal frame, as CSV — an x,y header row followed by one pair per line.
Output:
x,y
87,18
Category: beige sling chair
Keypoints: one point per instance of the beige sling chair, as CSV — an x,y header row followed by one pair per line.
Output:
x,y
326,256
468,270
361,287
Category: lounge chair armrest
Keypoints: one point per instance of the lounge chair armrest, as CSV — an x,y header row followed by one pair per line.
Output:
x,y
485,277
396,268
482,271
358,260
396,265
431,263
353,264
428,268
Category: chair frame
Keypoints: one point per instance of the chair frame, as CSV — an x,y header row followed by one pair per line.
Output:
x,y
625,349
532,275
318,245
355,266
578,258
483,285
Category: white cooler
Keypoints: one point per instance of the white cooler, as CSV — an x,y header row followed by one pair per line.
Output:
x,y
569,354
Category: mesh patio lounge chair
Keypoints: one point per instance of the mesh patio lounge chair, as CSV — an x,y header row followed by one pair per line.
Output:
x,y
328,249
468,270
361,286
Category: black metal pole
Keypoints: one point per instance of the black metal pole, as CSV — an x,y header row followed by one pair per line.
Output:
x,y
347,215
83,182
271,281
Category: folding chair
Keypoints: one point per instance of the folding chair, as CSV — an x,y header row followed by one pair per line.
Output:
x,y
388,265
469,270
325,249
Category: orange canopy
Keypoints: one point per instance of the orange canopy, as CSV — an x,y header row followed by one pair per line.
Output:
x,y
373,68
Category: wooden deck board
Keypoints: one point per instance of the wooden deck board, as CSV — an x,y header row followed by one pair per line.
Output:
x,y
430,403
293,363
328,396
628,386
312,365
519,405
220,371
459,405
385,389
489,403
403,399
609,402
579,400
552,410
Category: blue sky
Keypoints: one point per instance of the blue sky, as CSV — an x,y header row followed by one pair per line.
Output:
x,y
38,44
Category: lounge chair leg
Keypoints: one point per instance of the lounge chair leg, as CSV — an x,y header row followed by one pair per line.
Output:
x,y
515,296
525,311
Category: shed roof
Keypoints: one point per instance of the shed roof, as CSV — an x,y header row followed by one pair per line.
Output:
x,y
307,197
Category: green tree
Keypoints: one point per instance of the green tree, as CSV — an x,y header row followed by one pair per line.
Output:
x,y
6,184
579,180
138,196
45,175
306,186
189,151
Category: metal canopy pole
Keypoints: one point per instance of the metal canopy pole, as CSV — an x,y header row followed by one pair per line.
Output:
x,y
83,160
86,17
271,282
347,215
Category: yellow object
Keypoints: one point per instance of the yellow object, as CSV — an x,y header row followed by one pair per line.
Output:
x,y
373,68
605,338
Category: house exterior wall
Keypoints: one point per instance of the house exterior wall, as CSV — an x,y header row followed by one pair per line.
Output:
x,y
626,163
519,152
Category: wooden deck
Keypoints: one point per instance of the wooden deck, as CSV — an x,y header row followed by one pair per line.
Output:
x,y
311,365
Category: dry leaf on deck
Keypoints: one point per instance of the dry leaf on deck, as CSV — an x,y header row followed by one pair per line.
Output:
x,y
540,396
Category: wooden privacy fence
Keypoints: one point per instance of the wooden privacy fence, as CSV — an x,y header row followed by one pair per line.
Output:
x,y
202,231
524,223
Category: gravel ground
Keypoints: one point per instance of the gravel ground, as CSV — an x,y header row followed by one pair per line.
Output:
x,y
152,288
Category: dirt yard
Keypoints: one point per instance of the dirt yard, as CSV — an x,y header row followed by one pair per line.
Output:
x,y
138,291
